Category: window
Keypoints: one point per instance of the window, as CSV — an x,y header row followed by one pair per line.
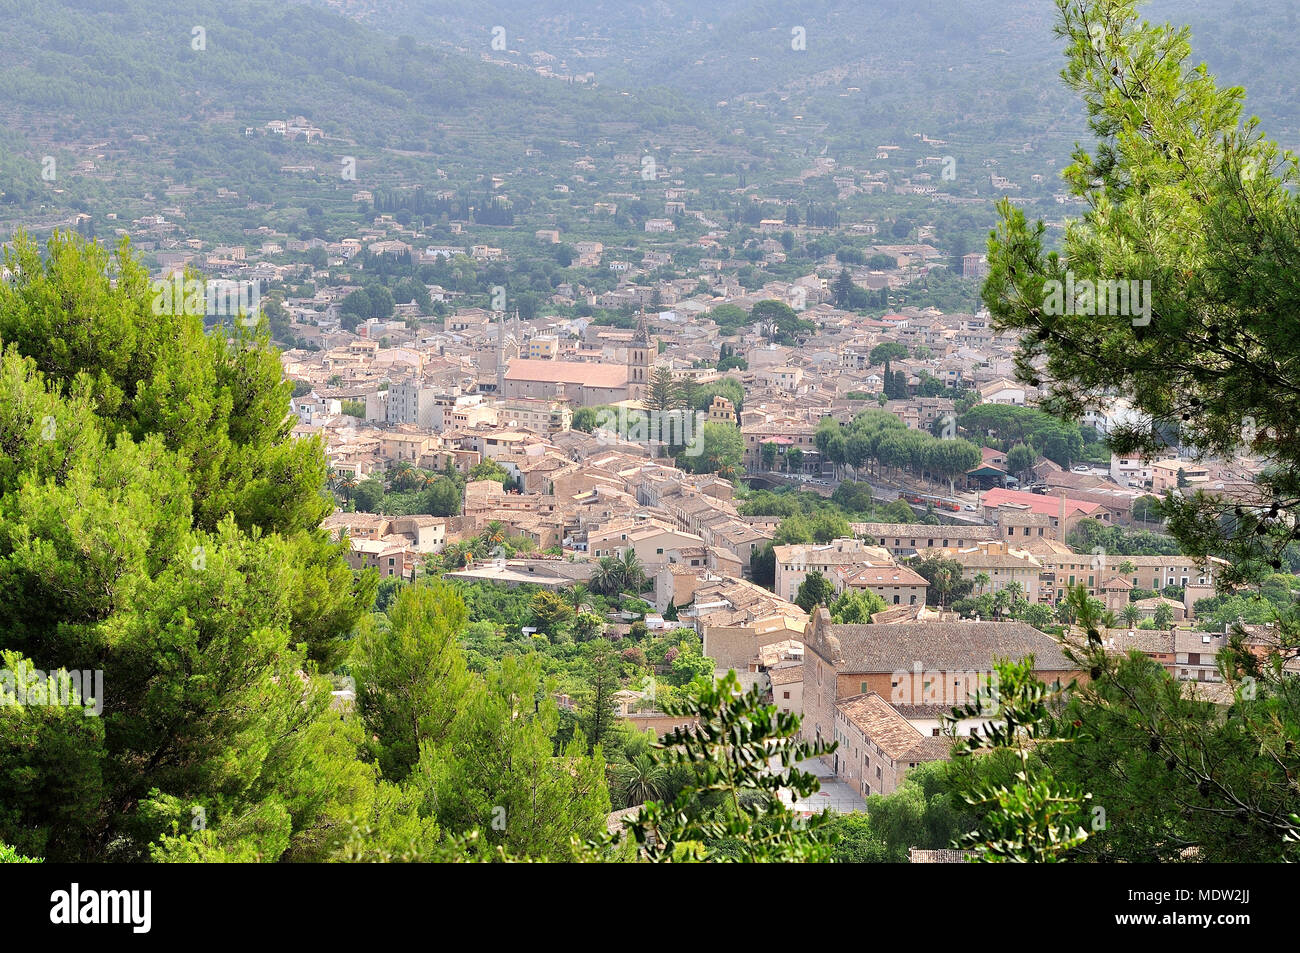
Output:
x,y
785,695
862,687
934,732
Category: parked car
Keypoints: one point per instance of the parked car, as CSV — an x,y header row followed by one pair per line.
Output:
x,y
969,507
1082,469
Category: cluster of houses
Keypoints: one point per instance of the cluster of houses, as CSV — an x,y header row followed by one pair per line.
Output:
x,y
433,394
486,386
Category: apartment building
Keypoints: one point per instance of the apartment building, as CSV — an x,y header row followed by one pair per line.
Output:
x,y
1164,475
795,562
878,746
1001,563
1094,571
540,416
907,664
907,539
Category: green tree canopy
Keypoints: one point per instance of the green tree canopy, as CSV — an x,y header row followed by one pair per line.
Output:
x,y
159,524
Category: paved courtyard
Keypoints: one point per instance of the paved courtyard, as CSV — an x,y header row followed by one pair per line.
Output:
x,y
834,795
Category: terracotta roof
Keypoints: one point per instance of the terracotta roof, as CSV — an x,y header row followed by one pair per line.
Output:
x,y
881,576
975,559
923,711
1186,640
890,731
896,614
568,372
1037,503
786,676
951,646
1147,641
1218,693
923,530
1155,602
1025,518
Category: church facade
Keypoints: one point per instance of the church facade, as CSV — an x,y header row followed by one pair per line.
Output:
x,y
582,383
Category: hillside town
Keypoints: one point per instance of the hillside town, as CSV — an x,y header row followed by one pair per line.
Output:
x,y
521,433
499,400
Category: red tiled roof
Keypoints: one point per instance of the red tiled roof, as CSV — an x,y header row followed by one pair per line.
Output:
x,y
1037,502
568,372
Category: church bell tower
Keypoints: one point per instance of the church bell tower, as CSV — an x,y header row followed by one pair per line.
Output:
x,y
639,361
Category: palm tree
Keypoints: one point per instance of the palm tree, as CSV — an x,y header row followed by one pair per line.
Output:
x,y
1163,615
1015,590
455,555
1088,613
494,533
631,572
942,585
605,577
397,477
1131,615
981,581
641,780
577,593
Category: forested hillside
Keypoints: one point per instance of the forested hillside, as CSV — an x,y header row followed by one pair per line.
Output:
x,y
152,94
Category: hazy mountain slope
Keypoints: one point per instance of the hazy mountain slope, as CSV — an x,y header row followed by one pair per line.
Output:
x,y
78,73
990,63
